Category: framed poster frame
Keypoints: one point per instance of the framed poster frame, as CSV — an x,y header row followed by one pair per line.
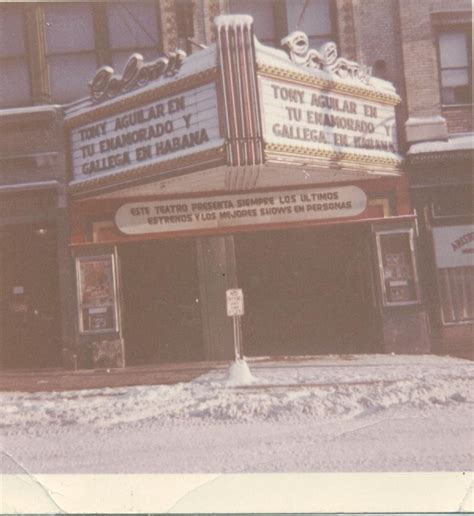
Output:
x,y
106,302
412,264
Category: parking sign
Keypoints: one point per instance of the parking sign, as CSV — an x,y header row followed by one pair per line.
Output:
x,y
235,301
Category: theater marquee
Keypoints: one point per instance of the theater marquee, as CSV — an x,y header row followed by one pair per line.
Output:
x,y
308,117
175,125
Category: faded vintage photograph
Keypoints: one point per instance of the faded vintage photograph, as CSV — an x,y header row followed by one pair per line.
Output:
x,y
236,237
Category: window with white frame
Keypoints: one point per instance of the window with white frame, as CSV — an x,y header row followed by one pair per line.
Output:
x,y
14,76
455,59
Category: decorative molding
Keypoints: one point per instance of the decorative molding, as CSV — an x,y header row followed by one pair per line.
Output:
x,y
289,150
36,55
440,157
150,95
446,17
169,25
303,78
325,58
346,28
106,85
243,124
174,164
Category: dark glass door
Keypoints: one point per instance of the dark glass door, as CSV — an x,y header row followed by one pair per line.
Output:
x,y
162,317
307,291
30,320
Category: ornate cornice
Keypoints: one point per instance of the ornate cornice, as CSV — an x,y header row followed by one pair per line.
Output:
x,y
446,17
297,77
292,150
150,95
440,157
173,164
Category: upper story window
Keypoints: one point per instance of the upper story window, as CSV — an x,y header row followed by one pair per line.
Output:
x,y
14,76
65,44
70,49
132,27
264,15
274,19
316,20
455,58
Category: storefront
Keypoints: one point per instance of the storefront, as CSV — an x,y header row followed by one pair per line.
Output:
x,y
442,191
275,171
35,262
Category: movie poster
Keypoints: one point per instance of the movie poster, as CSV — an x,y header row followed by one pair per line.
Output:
x,y
97,293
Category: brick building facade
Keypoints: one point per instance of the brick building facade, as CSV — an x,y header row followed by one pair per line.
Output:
x,y
50,51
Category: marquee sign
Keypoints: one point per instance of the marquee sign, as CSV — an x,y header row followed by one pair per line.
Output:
x,y
236,103
307,117
106,85
176,125
240,210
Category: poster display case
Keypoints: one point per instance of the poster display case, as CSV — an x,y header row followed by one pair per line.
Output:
x,y
97,293
397,267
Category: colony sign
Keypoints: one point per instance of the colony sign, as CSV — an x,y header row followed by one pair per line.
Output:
x,y
240,210
303,116
173,126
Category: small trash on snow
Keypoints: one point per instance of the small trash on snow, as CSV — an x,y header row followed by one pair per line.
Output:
x,y
239,374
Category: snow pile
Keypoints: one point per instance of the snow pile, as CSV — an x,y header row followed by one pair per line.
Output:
x,y
325,388
239,374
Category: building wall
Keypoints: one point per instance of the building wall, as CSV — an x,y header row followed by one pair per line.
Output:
x,y
33,195
438,175
459,119
420,60
378,45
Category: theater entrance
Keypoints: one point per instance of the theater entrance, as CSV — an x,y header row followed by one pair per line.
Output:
x,y
308,291
161,319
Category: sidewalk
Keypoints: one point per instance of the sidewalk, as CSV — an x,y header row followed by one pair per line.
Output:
x,y
49,380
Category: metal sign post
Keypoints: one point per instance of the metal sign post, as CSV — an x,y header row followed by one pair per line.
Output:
x,y
235,309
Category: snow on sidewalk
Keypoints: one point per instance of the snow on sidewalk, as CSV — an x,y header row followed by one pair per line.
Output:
x,y
293,390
